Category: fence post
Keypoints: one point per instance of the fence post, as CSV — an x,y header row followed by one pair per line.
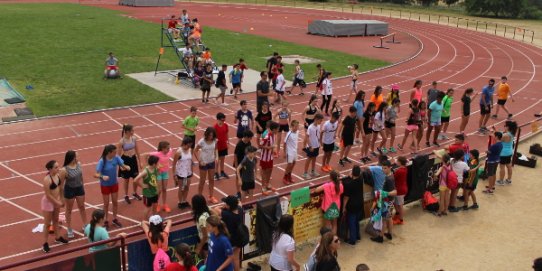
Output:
x,y
448,20
505,31
514,37
123,253
516,145
400,14
476,25
429,17
457,25
532,37
438,20
486,28
419,17
496,25
467,23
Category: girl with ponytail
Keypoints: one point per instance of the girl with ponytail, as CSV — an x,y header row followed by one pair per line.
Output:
x,y
220,250
127,150
331,203
185,260
96,231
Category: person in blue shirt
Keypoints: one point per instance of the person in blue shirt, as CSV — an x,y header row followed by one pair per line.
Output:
x,y
359,104
493,158
486,102
106,172
435,118
505,160
235,78
95,231
220,257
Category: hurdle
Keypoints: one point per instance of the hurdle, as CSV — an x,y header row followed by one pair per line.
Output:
x,y
381,46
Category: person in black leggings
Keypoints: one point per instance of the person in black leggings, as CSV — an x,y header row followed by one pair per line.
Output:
x,y
327,92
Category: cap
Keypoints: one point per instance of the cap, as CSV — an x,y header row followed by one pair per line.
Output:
x,y
155,220
231,201
394,87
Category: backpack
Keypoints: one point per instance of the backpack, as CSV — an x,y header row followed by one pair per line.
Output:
x,y
242,235
429,202
161,260
311,263
451,179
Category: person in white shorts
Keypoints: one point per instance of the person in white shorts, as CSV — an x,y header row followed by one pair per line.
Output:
x,y
290,151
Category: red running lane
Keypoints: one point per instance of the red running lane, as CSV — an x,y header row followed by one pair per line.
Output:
x,y
455,57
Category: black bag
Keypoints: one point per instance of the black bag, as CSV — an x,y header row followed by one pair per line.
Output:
x,y
242,235
536,149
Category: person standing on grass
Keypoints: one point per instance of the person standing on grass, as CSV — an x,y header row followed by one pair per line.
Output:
x,y
377,98
221,84
190,125
206,154
416,92
503,92
263,116
280,87
157,232
414,122
471,181
206,83
466,100
267,146
282,257
435,119
486,102
505,160
51,202
367,129
493,159
148,182
221,255
432,93
311,145
353,203
283,117
327,140
128,151
262,91
182,171
290,151
164,153
400,176
354,76
447,102
379,128
232,215
243,119
74,190
221,128
327,92
240,153
391,116
235,80
310,111
299,79
97,231
359,104
247,171
106,172
347,131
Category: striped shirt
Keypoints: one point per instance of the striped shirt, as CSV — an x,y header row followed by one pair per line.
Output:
x,y
267,141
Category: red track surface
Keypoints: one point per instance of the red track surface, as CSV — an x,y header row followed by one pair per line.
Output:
x,y
457,58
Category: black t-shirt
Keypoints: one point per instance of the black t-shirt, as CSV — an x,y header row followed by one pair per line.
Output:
x,y
221,79
367,119
208,75
232,221
389,185
270,63
353,189
240,151
349,125
328,265
262,119
262,86
466,105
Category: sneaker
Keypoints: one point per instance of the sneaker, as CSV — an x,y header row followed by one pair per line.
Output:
x,y
388,235
217,177
392,149
158,208
488,191
238,195
290,178
383,150
70,234
116,222
507,181
341,162
127,199
213,200
452,209
180,205
474,206
272,189
325,168
306,175
494,116
427,144
347,160
224,175
465,208
436,144
136,196
399,146
61,240
315,174
285,180
500,182
440,137
166,208
231,91
378,239
374,154
46,248
461,198
445,137
265,192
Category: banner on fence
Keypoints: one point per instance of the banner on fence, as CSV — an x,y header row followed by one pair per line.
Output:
x,y
106,260
251,249
140,257
308,220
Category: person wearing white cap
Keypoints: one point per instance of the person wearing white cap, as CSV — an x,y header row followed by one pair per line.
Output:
x,y
157,232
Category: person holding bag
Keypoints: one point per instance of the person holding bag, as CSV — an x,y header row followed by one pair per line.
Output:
x,y
331,203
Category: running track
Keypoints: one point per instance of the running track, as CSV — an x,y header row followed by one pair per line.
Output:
x,y
455,57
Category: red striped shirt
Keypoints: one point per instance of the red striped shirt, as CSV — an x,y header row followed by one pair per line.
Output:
x,y
267,141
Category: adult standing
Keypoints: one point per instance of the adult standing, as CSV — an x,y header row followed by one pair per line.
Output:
x,y
486,102
74,189
282,257
502,96
262,91
326,255
206,154
232,216
432,93
507,151
51,202
353,203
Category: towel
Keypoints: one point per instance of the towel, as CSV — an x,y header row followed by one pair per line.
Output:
x,y
38,228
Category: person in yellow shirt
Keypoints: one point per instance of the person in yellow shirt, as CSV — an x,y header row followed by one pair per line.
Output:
x,y
502,96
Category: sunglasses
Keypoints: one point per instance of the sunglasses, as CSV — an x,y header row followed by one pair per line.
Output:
x,y
336,240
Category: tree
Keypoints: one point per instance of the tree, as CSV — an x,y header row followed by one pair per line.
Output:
x,y
497,8
450,2
427,3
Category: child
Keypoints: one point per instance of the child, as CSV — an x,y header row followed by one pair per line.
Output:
x,y
263,116
493,159
422,106
164,153
243,119
460,168
435,120
329,133
368,119
347,131
206,160
447,102
206,83
414,122
235,79
354,76
207,56
311,144
337,108
359,103
248,171
96,231
182,172
157,232
389,123
299,79
190,125
310,111
332,199
378,128
444,191
129,153
267,146
185,260
280,86
221,128
148,182
327,92
242,66
465,109
221,84
290,152
284,116
240,152
385,199
394,94
400,177
172,28
503,92
471,181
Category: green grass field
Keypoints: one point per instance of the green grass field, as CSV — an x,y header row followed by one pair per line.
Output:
x,y
60,50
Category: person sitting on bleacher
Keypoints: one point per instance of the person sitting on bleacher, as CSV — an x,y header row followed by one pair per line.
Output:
x,y
185,19
172,27
207,56
186,31
111,67
188,56
195,37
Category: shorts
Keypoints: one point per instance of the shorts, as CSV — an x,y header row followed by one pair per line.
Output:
x,y
72,192
505,160
206,88
112,67
236,85
400,200
472,186
389,124
435,123
309,122
387,213
354,84
107,190
348,140
291,157
491,168
443,188
313,153
207,166
284,128
485,110
501,102
367,131
130,161
299,82
162,176
248,185
466,113
411,128
279,92
445,119
47,205
222,153
150,201
193,144
222,89
183,180
266,164
329,147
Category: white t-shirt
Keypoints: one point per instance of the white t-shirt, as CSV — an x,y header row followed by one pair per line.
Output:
x,y
327,87
314,135
183,168
207,151
291,143
281,83
328,132
378,123
202,223
279,255
459,167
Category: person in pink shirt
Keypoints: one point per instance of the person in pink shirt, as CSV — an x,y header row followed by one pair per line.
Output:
x,y
163,153
417,91
331,199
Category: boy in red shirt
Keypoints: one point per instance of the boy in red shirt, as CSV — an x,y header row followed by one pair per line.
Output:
x,y
459,143
221,128
400,176
172,27
267,145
